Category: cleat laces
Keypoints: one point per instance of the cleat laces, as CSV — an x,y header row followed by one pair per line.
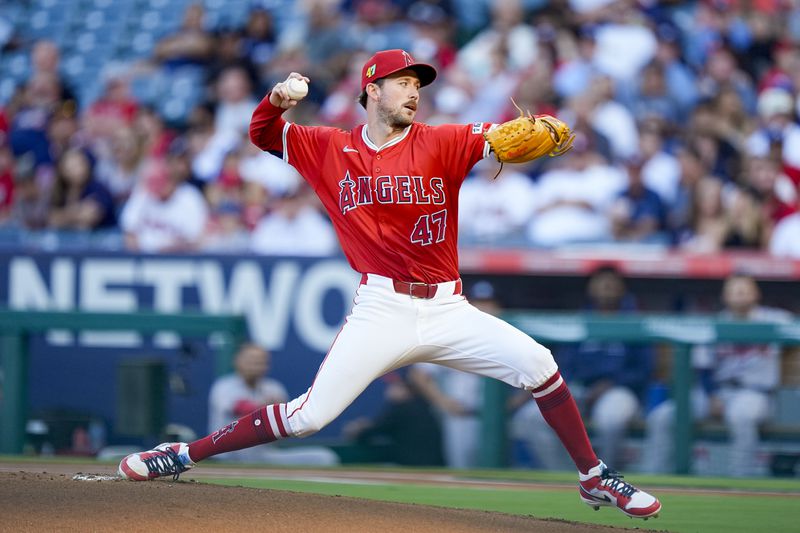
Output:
x,y
613,480
164,463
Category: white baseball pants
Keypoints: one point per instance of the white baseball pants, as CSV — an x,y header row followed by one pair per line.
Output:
x,y
386,331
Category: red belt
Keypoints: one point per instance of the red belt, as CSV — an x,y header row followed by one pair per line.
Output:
x,y
417,289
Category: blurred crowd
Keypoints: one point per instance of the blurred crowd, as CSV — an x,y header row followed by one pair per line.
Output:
x,y
685,113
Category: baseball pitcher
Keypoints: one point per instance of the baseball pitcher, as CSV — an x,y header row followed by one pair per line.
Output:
x,y
391,187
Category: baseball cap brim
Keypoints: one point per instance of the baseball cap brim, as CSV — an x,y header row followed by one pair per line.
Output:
x,y
425,73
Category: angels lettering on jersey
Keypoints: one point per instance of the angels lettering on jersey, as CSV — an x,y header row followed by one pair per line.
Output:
x,y
367,190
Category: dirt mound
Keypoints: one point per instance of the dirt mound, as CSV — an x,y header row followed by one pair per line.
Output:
x,y
36,501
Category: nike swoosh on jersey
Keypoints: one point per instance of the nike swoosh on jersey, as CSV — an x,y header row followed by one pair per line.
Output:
x,y
348,149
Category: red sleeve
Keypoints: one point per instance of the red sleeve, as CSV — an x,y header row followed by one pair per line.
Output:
x,y
266,127
462,145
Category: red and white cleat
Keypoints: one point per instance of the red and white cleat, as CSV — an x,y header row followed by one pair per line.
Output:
x,y
604,487
166,459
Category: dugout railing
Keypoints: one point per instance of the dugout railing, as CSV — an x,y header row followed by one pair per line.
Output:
x,y
16,327
681,331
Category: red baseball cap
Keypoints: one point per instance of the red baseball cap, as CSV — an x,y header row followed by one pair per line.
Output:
x,y
387,62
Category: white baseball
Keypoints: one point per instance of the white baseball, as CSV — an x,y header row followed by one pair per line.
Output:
x,y
297,89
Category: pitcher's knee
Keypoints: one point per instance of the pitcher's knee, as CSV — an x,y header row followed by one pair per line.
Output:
x,y
540,366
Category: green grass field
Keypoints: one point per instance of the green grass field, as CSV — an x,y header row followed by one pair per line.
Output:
x,y
693,510
691,504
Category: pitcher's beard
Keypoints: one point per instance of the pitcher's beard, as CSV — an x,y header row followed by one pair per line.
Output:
x,y
396,120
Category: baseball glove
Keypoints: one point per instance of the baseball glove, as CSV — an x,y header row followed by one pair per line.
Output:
x,y
529,137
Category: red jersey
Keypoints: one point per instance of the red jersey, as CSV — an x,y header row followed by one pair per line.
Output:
x,y
394,207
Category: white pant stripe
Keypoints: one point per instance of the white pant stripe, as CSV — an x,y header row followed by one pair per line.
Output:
x,y
273,423
549,389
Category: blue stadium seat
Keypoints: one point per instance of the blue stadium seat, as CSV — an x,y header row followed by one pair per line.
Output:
x,y
7,88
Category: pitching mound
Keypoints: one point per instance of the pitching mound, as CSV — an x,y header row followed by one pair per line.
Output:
x,y
56,502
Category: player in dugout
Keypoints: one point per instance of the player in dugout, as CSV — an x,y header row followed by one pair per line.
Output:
x,y
390,187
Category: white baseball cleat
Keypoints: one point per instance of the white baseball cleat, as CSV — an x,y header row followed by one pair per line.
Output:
x,y
604,487
166,459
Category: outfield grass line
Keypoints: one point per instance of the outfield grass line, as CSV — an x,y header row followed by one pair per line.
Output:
x,y
357,477
683,513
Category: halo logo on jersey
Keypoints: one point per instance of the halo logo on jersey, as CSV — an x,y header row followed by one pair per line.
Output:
x,y
347,196
223,431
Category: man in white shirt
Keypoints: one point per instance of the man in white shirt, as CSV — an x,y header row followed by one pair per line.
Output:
x,y
492,210
737,380
294,226
164,214
785,241
234,395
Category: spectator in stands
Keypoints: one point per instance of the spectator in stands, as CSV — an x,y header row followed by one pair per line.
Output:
x,y
638,214
708,221
150,127
234,395
576,71
229,54
652,98
64,132
495,210
625,42
434,31
722,158
778,195
164,214
113,110
234,102
747,225
124,165
610,378
778,133
785,240
40,99
679,77
731,121
457,395
736,384
679,212
405,427
612,119
80,201
508,35
379,24
722,69
213,133
190,44
661,171
31,201
725,216
259,42
6,181
226,230
573,199
294,226
320,35
46,59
